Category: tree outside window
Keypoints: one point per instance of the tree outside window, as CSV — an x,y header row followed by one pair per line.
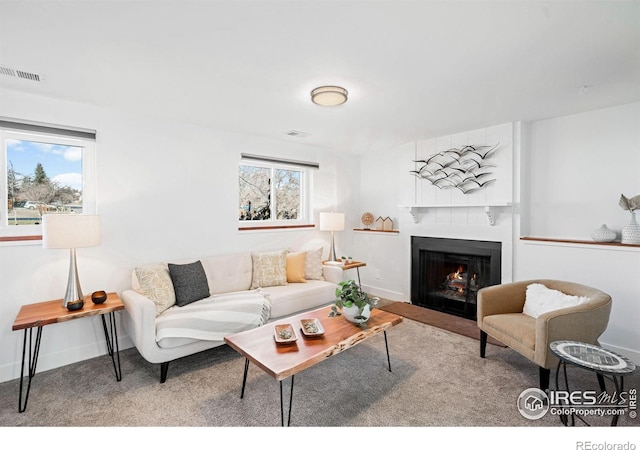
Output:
x,y
44,173
42,178
270,193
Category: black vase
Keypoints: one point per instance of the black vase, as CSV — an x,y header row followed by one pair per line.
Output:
x,y
75,305
99,297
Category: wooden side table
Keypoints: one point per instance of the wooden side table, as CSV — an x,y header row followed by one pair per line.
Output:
x,y
37,315
353,265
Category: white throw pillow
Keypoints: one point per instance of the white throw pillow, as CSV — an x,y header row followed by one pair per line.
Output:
x,y
155,283
313,265
540,299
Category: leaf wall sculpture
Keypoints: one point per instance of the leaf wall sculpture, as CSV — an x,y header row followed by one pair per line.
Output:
x,y
466,169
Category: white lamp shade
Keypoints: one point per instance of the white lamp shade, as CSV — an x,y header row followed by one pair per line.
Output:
x,y
331,221
70,230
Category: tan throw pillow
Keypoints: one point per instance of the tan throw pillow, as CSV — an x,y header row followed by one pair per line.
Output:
x,y
313,265
269,269
295,267
155,283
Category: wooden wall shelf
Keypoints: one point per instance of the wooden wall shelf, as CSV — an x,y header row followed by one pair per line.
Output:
x,y
617,245
368,230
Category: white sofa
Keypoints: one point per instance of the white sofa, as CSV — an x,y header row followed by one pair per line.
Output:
x,y
228,277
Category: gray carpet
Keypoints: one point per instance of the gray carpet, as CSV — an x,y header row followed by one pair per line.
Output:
x,y
438,380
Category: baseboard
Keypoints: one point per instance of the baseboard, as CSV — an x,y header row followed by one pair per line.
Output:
x,y
384,293
59,359
633,355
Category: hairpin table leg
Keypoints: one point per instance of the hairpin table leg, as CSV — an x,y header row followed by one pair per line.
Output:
x,y
34,350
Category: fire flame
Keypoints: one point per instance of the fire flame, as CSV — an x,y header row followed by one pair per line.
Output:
x,y
457,275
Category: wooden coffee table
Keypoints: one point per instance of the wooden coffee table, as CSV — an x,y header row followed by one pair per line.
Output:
x,y
284,360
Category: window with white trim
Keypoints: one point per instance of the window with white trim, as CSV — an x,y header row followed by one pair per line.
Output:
x,y
273,193
44,173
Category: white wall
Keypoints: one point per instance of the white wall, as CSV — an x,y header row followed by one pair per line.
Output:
x,y
568,174
165,191
577,167
580,166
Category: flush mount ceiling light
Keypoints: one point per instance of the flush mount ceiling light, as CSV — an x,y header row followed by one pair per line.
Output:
x,y
329,95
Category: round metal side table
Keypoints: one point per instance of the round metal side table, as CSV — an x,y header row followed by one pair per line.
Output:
x,y
605,363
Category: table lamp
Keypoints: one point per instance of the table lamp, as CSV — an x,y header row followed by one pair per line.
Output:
x,y
332,221
71,231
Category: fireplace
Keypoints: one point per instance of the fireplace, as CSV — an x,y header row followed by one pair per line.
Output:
x,y
446,274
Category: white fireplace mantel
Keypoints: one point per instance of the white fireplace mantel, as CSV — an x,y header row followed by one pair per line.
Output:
x,y
489,209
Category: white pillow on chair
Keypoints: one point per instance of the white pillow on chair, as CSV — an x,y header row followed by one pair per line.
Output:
x,y
540,299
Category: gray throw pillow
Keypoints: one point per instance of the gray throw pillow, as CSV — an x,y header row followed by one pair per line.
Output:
x,y
189,282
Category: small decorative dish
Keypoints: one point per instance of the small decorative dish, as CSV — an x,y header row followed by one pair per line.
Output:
x,y
311,327
284,333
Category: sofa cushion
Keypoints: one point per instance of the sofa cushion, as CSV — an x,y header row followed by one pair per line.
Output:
x,y
269,269
189,282
540,299
212,318
155,283
296,297
313,265
295,266
228,273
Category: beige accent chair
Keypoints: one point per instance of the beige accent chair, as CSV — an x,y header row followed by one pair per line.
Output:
x,y
500,316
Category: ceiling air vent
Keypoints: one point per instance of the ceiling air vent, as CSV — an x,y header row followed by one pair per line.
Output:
x,y
294,133
8,71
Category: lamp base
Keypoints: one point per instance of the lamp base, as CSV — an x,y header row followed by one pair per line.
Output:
x,y
74,292
332,249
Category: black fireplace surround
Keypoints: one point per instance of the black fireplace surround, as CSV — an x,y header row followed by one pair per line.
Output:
x,y
446,274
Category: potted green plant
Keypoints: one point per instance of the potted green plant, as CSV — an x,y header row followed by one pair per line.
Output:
x,y
353,302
